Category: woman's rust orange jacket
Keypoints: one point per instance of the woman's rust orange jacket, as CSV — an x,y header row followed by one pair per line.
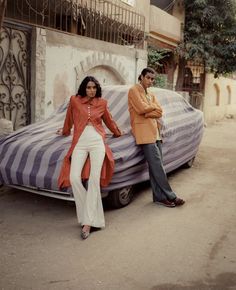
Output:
x,y
78,115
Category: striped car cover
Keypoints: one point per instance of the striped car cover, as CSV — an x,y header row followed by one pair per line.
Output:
x,y
32,156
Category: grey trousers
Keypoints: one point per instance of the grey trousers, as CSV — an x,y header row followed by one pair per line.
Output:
x,y
160,186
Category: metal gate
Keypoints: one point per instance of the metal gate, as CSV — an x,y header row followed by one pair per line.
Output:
x,y
15,74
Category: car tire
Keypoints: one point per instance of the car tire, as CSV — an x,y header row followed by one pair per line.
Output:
x,y
119,198
189,164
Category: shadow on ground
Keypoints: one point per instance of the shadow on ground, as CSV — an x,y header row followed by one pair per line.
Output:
x,y
223,281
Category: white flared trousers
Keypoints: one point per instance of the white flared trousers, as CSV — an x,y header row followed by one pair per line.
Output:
x,y
88,202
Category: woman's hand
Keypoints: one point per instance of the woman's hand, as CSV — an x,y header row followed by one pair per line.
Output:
x,y
59,131
123,132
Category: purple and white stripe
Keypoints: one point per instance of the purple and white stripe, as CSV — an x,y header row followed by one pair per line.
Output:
x,y
32,156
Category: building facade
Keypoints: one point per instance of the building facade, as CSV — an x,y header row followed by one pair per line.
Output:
x,y
48,47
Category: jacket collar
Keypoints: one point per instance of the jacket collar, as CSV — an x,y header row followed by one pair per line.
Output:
x,y
142,90
86,100
140,87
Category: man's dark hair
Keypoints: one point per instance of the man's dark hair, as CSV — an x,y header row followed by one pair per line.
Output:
x,y
83,85
146,71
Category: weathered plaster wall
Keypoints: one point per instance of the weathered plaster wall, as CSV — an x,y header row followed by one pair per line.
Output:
x,y
139,6
142,7
38,77
178,10
63,60
164,26
220,98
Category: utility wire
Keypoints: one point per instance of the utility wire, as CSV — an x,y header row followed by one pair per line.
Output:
x,y
170,5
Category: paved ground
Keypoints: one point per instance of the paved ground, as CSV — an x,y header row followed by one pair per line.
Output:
x,y
144,246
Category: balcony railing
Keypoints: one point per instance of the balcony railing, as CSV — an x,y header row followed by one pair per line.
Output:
x,y
99,19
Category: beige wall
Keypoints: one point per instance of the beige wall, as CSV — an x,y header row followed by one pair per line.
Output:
x,y
220,98
178,10
63,60
142,7
139,6
164,26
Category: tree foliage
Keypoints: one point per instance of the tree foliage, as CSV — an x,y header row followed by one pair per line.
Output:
x,y
155,57
210,34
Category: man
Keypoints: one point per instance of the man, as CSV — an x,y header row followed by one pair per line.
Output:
x,y
145,113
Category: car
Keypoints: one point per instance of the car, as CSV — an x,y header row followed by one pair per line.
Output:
x,y
31,157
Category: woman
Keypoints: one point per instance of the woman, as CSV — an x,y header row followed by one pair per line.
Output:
x,y
145,113
88,157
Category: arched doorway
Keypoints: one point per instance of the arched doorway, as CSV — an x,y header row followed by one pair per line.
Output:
x,y
105,75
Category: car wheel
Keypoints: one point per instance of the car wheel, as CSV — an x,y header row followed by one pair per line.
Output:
x,y
189,164
121,197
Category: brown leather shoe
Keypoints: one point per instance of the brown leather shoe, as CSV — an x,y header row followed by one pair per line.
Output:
x,y
166,203
178,201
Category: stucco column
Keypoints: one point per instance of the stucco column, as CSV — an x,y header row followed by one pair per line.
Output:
x,y
140,63
38,74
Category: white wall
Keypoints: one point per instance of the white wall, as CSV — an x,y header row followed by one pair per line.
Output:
x,y
220,98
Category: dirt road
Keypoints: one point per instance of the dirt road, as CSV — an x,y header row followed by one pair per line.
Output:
x,y
144,246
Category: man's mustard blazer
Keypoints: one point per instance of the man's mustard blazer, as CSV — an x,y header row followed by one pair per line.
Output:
x,y
144,115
